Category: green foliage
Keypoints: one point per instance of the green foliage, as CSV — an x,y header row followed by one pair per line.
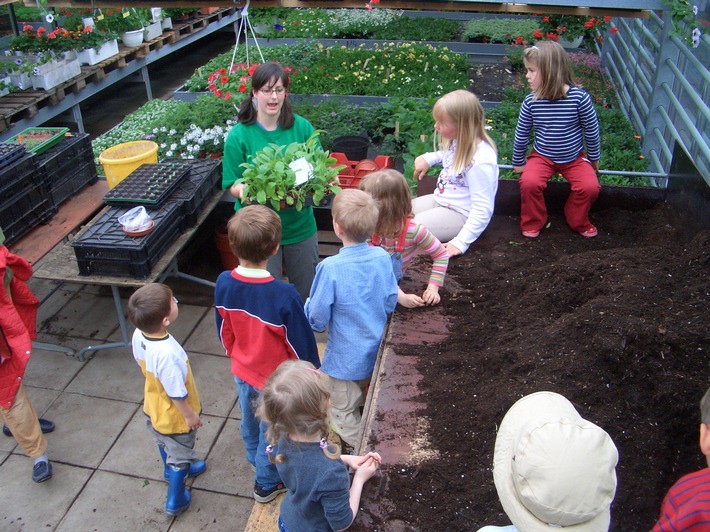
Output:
x,y
514,30
120,20
405,121
25,13
269,178
386,24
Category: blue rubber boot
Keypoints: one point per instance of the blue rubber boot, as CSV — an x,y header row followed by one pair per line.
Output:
x,y
196,468
178,495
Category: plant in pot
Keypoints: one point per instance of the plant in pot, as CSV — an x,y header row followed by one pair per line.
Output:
x,y
291,176
571,30
128,23
93,38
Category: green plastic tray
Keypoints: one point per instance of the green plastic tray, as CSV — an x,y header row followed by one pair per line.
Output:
x,y
38,146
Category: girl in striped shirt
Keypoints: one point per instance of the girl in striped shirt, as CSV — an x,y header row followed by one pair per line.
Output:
x,y
402,237
564,120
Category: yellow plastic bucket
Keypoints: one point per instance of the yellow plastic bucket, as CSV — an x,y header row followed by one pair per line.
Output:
x,y
120,160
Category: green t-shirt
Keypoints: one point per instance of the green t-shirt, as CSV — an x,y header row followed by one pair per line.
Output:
x,y
245,140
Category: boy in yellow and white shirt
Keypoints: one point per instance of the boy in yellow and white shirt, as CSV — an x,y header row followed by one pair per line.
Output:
x,y
171,402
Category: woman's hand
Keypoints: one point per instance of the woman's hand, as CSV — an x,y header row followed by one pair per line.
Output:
x,y
237,190
431,295
452,250
420,168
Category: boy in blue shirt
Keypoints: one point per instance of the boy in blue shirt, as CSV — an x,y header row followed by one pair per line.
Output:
x,y
352,295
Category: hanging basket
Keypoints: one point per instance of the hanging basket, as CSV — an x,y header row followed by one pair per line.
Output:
x,y
355,148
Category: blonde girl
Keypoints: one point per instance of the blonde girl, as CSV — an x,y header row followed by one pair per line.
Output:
x,y
564,120
295,402
399,235
462,205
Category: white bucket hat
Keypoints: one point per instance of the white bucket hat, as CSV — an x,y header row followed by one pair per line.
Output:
x,y
552,469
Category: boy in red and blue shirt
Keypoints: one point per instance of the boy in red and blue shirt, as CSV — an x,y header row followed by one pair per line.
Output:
x,y
261,323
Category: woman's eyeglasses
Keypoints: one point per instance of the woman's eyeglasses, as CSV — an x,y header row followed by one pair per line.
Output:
x,y
277,90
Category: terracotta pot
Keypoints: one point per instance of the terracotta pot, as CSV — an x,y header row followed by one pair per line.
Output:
x,y
221,241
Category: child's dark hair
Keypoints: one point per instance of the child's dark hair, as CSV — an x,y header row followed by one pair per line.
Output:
x,y
554,68
356,213
254,232
148,306
266,76
295,401
391,190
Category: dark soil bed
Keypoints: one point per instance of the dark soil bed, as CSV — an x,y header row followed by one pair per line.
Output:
x,y
618,324
488,81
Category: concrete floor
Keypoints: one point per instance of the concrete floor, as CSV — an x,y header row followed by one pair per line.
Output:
x,y
107,470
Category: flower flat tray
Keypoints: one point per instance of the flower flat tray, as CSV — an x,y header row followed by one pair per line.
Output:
x,y
10,153
149,184
39,139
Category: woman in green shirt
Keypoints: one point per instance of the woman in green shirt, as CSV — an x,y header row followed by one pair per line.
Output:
x,y
266,117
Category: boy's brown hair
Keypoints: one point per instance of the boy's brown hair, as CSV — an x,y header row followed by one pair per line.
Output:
x,y
356,213
148,306
254,233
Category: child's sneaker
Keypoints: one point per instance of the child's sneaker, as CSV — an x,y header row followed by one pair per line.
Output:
x,y
263,495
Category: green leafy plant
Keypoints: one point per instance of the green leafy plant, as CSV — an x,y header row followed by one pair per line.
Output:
x,y
555,27
269,178
517,30
120,21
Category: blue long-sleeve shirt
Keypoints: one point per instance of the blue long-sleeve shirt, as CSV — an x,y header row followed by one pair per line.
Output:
x,y
562,127
352,294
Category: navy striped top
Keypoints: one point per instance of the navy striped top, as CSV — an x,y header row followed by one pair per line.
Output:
x,y
562,127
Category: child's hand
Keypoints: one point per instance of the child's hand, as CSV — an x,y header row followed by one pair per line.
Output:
x,y
193,420
518,169
410,300
431,295
452,250
367,469
420,167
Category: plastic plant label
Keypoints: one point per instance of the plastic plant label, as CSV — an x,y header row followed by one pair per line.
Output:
x,y
303,170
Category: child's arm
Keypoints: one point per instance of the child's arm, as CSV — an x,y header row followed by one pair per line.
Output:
x,y
192,418
522,135
423,239
424,162
409,300
319,303
365,468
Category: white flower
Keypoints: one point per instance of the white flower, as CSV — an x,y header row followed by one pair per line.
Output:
x,y
696,37
49,18
695,10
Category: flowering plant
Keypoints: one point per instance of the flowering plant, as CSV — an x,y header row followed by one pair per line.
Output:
x,y
90,37
120,21
684,15
227,85
196,142
29,41
569,27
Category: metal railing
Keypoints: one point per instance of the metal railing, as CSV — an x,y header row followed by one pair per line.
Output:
x,y
664,90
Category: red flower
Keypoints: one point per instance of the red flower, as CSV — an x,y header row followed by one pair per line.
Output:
x,y
218,93
242,88
228,95
551,36
607,19
546,19
614,30
589,24
252,69
519,40
88,29
224,80
537,34
41,30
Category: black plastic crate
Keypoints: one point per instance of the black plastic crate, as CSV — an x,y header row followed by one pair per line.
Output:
x,y
65,153
105,249
197,188
149,184
24,212
9,153
19,176
62,190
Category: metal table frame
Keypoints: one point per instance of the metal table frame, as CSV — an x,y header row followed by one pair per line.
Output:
x,y
60,265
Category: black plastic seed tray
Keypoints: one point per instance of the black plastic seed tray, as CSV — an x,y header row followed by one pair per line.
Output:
x,y
197,189
25,211
105,249
72,150
19,176
149,184
9,153
64,185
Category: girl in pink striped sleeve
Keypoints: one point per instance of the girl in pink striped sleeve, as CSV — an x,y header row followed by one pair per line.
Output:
x,y
402,237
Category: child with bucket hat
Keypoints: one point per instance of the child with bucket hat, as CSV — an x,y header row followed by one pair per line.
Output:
x,y
552,469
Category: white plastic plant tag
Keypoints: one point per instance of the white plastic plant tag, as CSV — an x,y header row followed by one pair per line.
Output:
x,y
303,170
137,219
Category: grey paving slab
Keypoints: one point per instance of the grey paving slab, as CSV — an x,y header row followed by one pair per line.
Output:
x,y
27,505
49,369
215,383
187,320
204,338
135,452
84,316
214,512
87,427
228,470
55,302
236,412
112,374
112,502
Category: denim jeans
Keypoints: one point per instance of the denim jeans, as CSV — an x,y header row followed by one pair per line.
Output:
x,y
254,436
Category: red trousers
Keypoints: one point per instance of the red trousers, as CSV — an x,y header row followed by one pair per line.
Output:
x,y
533,181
